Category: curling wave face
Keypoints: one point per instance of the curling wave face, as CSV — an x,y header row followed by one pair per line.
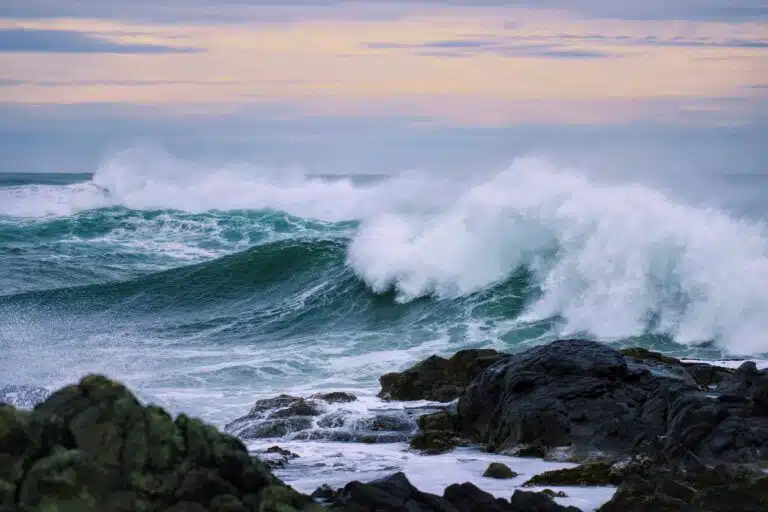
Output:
x,y
177,277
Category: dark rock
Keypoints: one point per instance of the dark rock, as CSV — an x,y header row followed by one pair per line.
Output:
x,y
250,428
276,457
269,404
437,378
387,422
442,420
467,497
435,442
335,397
300,407
595,474
646,355
665,489
533,452
323,494
554,494
25,397
707,375
499,471
93,446
589,397
537,502
393,493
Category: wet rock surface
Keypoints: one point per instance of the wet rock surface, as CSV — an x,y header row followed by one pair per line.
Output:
x,y
93,447
592,398
395,493
324,417
437,378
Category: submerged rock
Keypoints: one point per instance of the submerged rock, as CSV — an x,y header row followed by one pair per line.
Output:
x,y
93,447
335,397
592,398
436,378
276,457
313,418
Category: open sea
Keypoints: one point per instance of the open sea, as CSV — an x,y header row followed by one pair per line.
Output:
x,y
206,289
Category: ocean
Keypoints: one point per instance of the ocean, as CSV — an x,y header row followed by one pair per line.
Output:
x,y
205,289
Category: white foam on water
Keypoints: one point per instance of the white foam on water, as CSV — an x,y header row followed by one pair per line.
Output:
x,y
613,261
336,464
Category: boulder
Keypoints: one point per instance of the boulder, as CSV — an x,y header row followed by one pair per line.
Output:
x,y
93,447
436,378
594,399
499,471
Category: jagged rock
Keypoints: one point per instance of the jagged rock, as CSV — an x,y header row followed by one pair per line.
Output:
x,y
436,378
590,397
93,447
707,375
643,354
254,428
499,471
312,419
673,489
335,397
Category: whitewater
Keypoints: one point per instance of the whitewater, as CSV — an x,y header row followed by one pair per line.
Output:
x,y
205,289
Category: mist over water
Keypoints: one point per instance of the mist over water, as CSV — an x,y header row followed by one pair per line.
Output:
x,y
206,287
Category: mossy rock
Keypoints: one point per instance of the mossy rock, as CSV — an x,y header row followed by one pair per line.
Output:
x,y
93,447
594,474
434,442
442,421
643,354
499,471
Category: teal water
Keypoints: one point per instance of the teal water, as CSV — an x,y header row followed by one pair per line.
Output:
x,y
204,291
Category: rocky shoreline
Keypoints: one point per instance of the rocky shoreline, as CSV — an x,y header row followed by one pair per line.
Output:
x,y
671,435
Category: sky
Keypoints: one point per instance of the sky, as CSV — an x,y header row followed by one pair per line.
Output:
x,y
378,86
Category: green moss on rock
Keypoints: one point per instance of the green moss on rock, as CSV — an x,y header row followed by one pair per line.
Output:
x,y
94,447
643,354
594,474
499,471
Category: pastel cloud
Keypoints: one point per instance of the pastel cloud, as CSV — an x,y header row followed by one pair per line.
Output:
x,y
516,66
182,11
28,40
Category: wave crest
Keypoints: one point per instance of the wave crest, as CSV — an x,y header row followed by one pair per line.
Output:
x,y
611,260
